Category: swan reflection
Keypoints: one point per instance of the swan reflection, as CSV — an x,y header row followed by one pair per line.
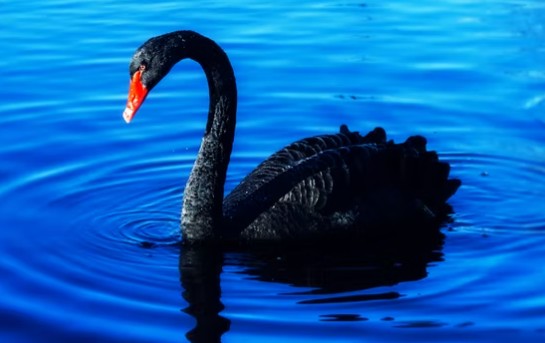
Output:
x,y
330,270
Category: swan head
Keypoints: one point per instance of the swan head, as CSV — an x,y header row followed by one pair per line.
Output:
x,y
149,64
156,57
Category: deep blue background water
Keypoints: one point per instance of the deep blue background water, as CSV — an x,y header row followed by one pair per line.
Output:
x,y
83,194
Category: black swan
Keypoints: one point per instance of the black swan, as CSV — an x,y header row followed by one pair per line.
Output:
x,y
324,186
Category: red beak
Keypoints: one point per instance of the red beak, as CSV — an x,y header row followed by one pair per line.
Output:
x,y
137,95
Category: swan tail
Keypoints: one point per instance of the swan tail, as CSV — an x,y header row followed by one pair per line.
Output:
x,y
382,187
426,175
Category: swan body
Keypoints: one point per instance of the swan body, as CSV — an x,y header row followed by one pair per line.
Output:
x,y
323,186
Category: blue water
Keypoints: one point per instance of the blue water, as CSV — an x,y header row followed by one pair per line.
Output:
x,y
89,211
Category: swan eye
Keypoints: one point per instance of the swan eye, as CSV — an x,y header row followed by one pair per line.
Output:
x,y
142,67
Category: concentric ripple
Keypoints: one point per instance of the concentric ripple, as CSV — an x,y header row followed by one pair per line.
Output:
x,y
145,210
499,193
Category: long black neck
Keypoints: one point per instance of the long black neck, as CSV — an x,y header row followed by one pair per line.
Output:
x,y
203,196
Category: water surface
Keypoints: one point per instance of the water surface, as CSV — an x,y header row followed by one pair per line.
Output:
x,y
90,206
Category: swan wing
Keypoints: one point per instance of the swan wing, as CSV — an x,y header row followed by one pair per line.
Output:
x,y
338,180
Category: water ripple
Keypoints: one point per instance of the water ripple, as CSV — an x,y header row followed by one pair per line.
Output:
x,y
90,207
146,210
499,193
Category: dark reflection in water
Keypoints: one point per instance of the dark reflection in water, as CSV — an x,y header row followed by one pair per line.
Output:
x,y
328,269
200,269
